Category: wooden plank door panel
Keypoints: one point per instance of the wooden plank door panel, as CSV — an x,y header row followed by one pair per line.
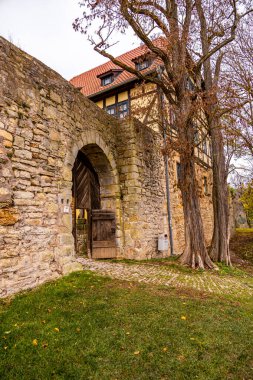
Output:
x,y
103,234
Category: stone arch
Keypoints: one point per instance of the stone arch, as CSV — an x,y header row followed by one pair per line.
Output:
x,y
89,138
100,156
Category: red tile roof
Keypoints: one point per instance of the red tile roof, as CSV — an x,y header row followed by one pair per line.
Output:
x,y
91,84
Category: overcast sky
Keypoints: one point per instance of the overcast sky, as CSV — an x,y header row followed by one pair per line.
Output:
x,y
43,28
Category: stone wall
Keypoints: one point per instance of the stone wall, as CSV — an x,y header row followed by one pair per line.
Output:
x,y
177,207
143,190
44,122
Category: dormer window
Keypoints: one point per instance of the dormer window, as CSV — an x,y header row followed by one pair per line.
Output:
x,y
142,65
107,80
109,76
143,61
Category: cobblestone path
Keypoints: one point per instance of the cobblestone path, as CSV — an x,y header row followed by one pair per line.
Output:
x,y
168,276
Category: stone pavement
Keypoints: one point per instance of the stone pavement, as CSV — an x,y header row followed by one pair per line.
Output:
x,y
149,273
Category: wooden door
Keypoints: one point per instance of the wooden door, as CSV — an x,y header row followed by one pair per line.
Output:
x,y
103,243
86,196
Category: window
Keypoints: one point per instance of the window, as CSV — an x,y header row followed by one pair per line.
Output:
x,y
106,80
179,172
196,137
122,109
109,76
205,146
119,110
172,123
205,186
111,110
142,65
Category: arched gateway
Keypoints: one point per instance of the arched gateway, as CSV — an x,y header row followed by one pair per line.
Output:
x,y
95,204
73,180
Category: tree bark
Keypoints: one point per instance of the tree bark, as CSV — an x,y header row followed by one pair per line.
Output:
x,y
219,250
195,253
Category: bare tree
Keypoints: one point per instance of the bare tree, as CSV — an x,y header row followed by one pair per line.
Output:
x,y
239,77
236,105
185,51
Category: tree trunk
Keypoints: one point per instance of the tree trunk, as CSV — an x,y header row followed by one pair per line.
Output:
x,y
195,254
219,250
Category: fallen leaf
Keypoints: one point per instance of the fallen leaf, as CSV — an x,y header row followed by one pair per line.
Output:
x,y
128,333
35,342
165,349
183,317
56,329
181,358
5,347
78,329
136,352
7,332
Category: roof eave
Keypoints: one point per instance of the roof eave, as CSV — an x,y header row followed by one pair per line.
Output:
x,y
117,85
111,88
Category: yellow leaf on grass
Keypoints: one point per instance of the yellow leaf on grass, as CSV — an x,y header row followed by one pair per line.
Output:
x,y
5,347
56,329
136,352
165,349
183,317
35,342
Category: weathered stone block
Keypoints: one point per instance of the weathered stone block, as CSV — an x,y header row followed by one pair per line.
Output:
x,y
23,195
55,97
6,135
19,141
8,216
67,174
26,154
54,135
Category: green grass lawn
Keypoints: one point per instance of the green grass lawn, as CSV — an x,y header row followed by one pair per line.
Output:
x,y
87,327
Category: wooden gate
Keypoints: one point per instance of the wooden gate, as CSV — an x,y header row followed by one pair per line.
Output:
x,y
103,244
93,229
86,196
